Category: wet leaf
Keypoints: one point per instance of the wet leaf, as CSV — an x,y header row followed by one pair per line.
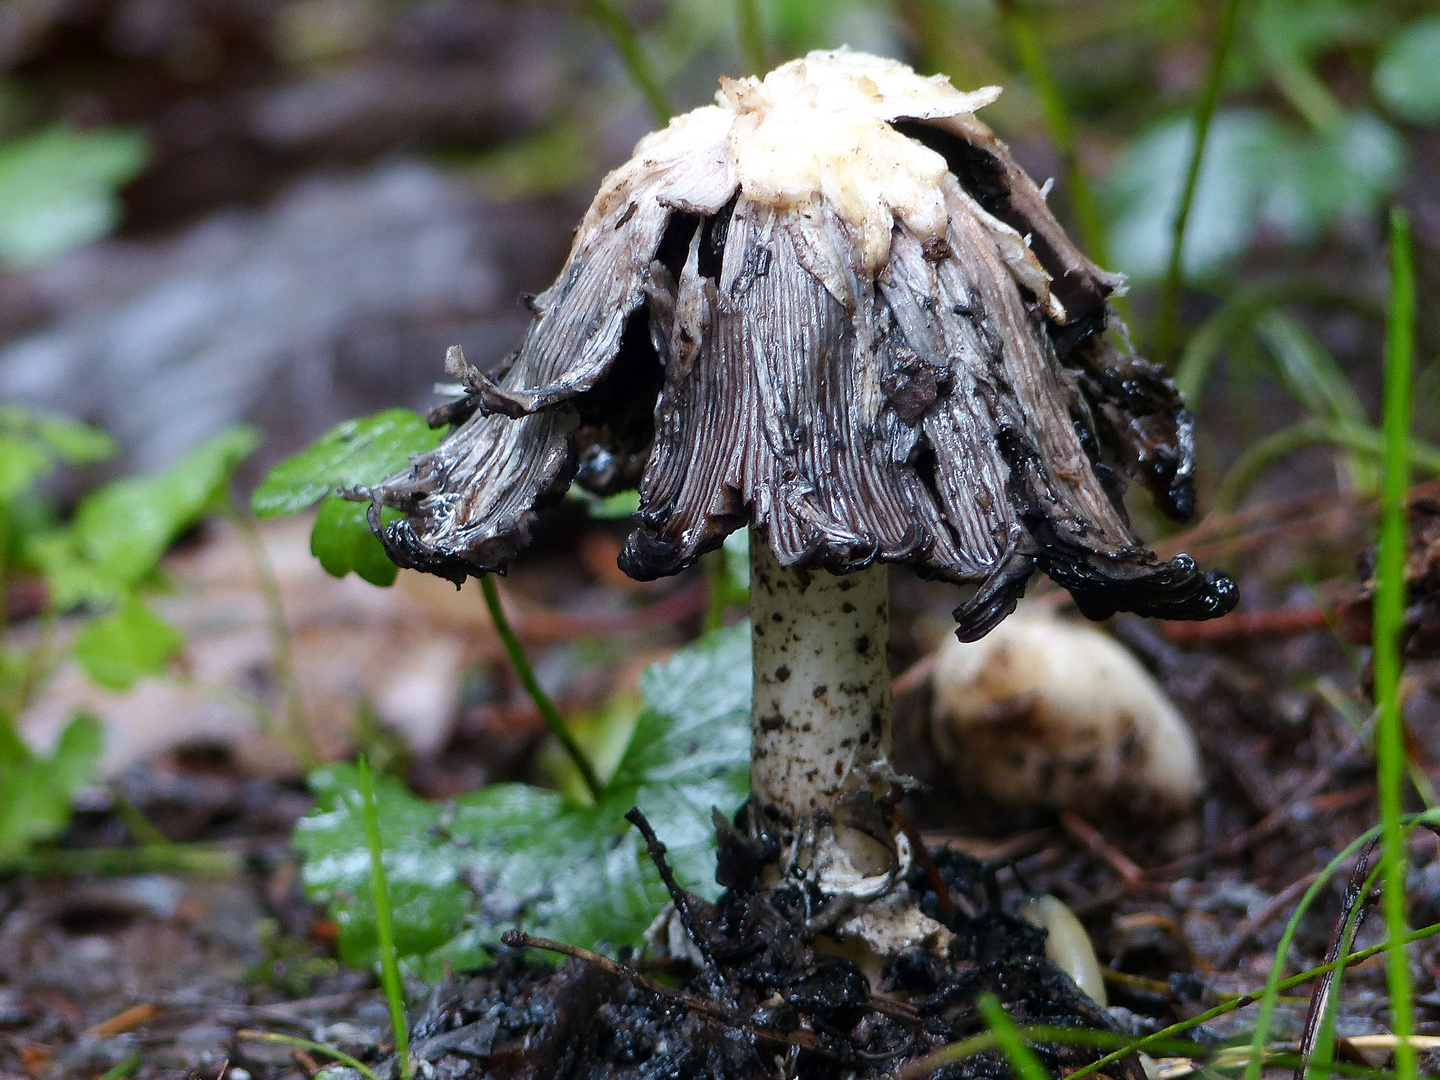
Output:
x,y
462,873
1407,74
118,649
341,539
58,190
36,791
357,453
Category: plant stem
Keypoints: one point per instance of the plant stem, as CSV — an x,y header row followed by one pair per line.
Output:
x,y
632,55
1167,315
553,720
1031,55
297,724
200,859
752,38
1389,607
1389,946
310,1044
389,966
122,1069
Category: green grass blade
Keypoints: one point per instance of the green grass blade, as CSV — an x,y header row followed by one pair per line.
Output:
x,y
752,36
526,674
1389,617
632,55
1022,1059
389,965
314,1047
1167,315
122,1069
1026,42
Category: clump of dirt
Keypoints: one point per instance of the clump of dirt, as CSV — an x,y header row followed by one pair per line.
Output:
x,y
766,992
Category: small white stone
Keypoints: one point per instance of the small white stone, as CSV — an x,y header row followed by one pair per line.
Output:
x,y
1045,712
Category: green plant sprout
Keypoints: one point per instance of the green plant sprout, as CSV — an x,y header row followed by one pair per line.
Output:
x,y
1167,314
389,963
314,1047
100,566
1389,612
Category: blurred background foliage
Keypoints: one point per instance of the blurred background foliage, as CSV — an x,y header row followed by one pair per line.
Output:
x,y
157,114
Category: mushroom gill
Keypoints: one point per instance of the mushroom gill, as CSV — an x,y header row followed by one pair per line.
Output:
x,y
833,307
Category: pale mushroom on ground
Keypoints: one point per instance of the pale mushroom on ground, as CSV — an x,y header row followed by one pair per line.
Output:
x,y
1048,712
832,308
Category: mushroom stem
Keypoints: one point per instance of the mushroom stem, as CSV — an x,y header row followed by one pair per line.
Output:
x,y
820,721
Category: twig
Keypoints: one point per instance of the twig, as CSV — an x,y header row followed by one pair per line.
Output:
x,y
1168,309
1088,835
1319,1029
684,904
913,677
927,863
806,1040
1268,911
1273,622
553,720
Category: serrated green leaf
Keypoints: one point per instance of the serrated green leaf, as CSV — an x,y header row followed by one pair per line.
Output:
x,y
121,530
36,792
1407,75
58,190
511,853
341,539
357,453
131,642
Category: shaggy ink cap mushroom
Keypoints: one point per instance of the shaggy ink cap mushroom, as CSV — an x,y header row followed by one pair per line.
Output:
x,y
833,307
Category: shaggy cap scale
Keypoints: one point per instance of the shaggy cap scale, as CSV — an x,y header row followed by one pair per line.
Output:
x,y
831,306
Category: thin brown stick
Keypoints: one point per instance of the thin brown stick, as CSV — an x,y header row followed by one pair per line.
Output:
x,y
1272,907
806,1040
1271,622
1088,835
922,853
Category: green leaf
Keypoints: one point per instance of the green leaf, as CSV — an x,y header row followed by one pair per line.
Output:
x,y
357,453
342,541
57,190
1343,171
73,442
22,463
124,646
1407,74
36,792
510,853
1255,171
1143,194
121,530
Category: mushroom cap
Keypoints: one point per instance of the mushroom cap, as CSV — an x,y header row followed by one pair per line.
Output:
x,y
832,306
